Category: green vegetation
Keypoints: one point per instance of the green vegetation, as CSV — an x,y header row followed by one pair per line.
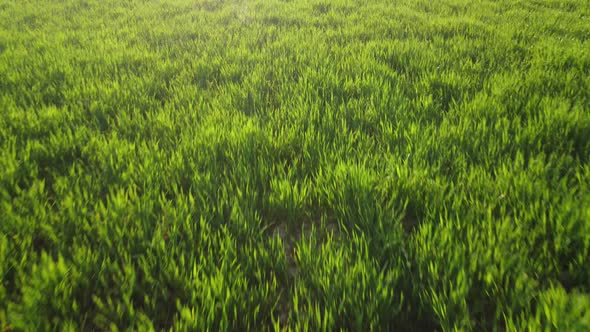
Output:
x,y
305,165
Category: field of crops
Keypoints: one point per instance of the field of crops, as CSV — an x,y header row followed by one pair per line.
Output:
x,y
320,165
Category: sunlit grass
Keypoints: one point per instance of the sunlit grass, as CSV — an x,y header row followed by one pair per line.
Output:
x,y
302,165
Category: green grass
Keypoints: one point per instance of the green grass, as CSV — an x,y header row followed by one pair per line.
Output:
x,y
315,165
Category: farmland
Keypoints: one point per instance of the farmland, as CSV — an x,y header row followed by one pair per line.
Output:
x,y
315,165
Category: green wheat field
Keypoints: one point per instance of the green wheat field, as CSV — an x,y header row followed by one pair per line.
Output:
x,y
294,165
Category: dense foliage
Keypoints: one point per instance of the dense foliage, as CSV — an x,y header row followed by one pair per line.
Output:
x,y
306,164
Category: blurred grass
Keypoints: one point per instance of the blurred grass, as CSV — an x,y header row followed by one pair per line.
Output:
x,y
302,165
